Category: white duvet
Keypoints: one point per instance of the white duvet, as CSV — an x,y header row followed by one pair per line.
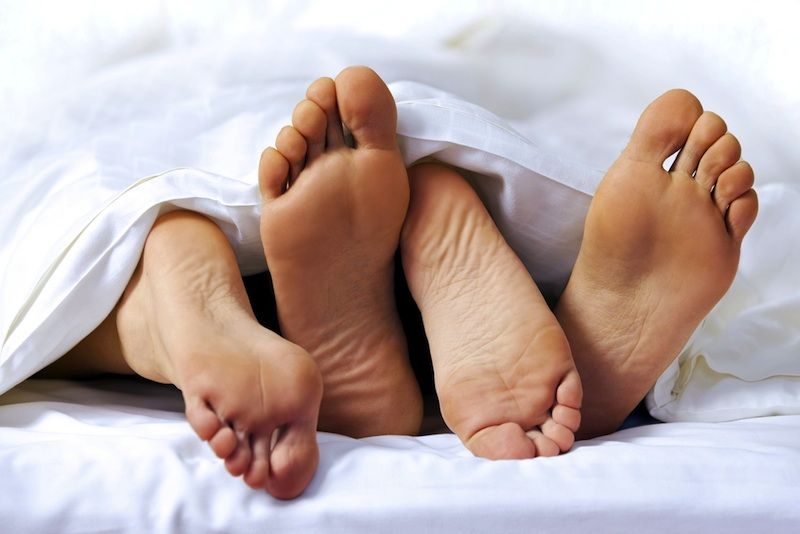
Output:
x,y
113,114
121,116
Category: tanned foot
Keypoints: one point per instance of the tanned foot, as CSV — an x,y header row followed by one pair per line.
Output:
x,y
506,382
659,250
185,319
330,225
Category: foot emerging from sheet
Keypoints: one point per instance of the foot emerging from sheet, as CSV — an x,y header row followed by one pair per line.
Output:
x,y
659,250
503,371
330,225
185,319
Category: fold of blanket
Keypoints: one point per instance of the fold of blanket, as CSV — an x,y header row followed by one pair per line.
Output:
x,y
87,172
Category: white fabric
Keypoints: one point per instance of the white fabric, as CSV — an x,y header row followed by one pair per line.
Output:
x,y
75,459
114,113
55,274
89,167
744,361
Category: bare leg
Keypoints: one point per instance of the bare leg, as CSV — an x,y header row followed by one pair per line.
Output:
x,y
185,319
98,353
659,250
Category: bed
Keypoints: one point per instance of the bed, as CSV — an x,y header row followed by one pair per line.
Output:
x,y
115,115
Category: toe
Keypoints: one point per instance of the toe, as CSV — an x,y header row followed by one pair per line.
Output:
x,y
224,442
502,442
239,461
664,126
273,171
202,418
293,460
732,183
367,108
544,445
323,93
705,132
309,119
570,392
741,214
256,476
292,146
559,434
566,416
722,155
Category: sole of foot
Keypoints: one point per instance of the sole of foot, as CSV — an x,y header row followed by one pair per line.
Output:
x,y
660,248
185,319
506,382
330,226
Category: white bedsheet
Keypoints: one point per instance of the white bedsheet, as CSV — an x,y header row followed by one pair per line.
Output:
x,y
113,114
80,459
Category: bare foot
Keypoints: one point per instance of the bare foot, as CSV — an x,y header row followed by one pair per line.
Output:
x,y
330,240
503,371
185,319
659,250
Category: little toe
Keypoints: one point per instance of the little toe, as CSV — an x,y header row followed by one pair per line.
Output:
x,y
202,418
664,126
733,183
566,416
367,108
224,442
502,442
292,146
273,171
705,132
570,391
741,214
323,93
293,460
721,156
239,461
310,120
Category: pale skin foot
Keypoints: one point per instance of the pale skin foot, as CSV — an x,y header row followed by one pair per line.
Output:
x,y
659,250
506,382
185,319
330,225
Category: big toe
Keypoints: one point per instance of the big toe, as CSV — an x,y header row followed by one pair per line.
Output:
x,y
664,126
367,108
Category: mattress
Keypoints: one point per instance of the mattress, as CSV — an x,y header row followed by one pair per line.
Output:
x,y
116,115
